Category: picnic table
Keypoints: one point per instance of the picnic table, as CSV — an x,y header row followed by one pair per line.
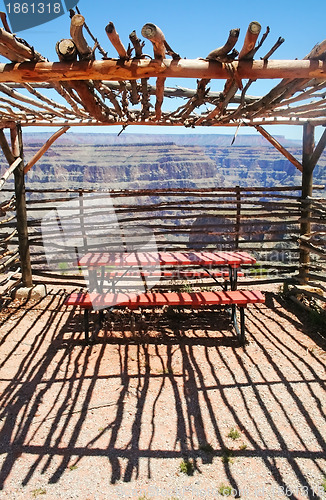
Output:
x,y
124,264
112,266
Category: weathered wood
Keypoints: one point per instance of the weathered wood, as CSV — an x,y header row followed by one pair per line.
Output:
x,y
10,54
76,33
115,40
135,69
137,43
220,54
307,182
318,51
156,36
318,150
250,40
5,148
4,21
23,52
44,148
234,81
91,103
159,97
28,100
21,214
106,92
9,171
279,147
66,50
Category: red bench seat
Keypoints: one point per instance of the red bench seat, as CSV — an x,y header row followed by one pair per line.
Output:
x,y
91,300
233,298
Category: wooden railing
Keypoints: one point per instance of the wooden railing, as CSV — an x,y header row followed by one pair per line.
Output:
x,y
263,221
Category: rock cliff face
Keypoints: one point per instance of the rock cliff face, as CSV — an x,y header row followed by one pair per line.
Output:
x,y
133,161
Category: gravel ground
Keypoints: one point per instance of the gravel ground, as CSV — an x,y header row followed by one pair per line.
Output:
x,y
127,416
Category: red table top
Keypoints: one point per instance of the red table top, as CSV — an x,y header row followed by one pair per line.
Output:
x,y
207,259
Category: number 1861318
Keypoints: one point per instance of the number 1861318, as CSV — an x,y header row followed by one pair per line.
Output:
x,y
34,8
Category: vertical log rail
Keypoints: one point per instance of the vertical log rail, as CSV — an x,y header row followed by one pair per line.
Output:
x,y
307,178
21,213
82,219
238,216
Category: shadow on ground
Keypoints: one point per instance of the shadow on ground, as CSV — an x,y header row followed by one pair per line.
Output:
x,y
134,402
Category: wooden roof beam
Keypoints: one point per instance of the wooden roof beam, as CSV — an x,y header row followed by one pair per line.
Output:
x,y
279,147
140,68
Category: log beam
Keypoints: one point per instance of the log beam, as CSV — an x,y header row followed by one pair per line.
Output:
x,y
44,148
135,69
76,33
279,147
250,40
9,171
115,40
18,51
156,36
66,50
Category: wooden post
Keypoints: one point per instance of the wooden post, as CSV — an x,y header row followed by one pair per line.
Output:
x,y
238,217
21,214
307,179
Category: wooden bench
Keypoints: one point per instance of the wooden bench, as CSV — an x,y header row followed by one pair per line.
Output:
x,y
195,300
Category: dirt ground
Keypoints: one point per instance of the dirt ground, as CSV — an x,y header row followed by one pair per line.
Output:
x,y
131,414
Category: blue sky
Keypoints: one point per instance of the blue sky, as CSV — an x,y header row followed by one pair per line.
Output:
x,y
193,29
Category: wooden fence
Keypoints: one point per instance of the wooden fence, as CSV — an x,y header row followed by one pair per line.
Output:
x,y
262,221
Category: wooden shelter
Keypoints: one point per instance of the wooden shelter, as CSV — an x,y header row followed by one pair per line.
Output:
x,y
132,89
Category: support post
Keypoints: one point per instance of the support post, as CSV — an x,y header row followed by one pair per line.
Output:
x,y
21,214
238,217
306,193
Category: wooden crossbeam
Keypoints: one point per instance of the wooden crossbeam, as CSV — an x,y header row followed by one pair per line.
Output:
x,y
182,68
44,148
279,147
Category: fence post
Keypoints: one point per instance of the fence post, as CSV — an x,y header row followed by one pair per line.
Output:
x,y
21,213
238,216
306,193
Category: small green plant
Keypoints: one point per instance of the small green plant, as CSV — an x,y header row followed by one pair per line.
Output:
x,y
225,490
143,497
323,484
227,456
234,434
243,446
63,266
166,371
38,491
187,467
206,447
186,288
72,467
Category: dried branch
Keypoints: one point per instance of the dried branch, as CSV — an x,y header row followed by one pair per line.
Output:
x,y
44,148
250,40
23,51
9,171
66,50
115,40
137,43
220,54
156,36
76,33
